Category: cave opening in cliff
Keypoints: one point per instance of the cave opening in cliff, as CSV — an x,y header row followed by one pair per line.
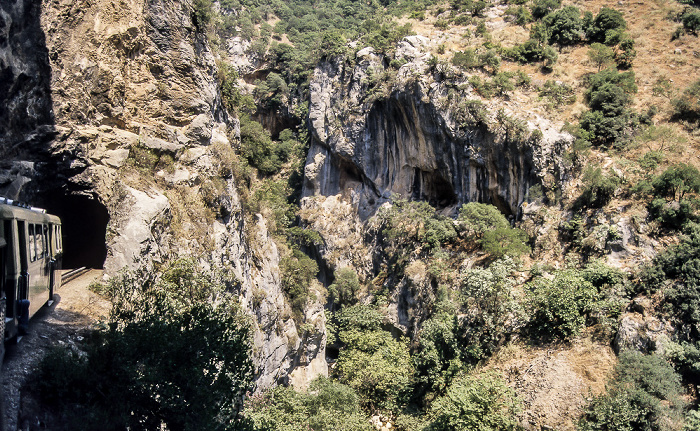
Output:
x,y
431,187
84,222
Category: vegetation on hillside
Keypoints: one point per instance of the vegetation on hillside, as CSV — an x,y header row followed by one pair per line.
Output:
x,y
473,281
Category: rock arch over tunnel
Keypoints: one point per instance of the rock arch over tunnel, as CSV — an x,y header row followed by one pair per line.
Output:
x,y
84,221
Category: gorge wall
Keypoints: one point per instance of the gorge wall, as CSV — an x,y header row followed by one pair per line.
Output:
x,y
411,132
111,117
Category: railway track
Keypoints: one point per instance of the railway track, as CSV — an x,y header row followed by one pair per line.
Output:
x,y
73,274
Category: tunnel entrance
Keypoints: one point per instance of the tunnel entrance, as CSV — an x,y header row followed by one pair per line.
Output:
x,y
84,222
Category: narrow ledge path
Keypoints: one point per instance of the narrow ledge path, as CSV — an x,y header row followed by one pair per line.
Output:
x,y
75,311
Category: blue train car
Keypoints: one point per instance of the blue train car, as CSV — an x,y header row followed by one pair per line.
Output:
x,y
31,248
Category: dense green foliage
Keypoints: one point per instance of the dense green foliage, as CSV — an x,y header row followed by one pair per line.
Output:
x,y
598,189
490,311
344,288
645,395
676,271
476,403
495,235
558,307
327,406
297,272
174,345
377,366
608,96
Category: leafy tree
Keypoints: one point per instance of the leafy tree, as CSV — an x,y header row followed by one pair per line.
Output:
x,y
558,93
598,189
607,22
257,147
601,55
502,83
519,14
202,13
327,406
558,307
565,26
541,8
174,345
333,44
377,366
676,181
297,272
438,357
676,271
626,53
466,59
645,395
505,242
345,287
608,96
476,218
490,311
476,403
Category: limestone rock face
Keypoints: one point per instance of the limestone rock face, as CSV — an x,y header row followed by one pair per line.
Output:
x,y
115,105
378,131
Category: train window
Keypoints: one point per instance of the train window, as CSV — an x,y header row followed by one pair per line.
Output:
x,y
47,252
40,249
32,245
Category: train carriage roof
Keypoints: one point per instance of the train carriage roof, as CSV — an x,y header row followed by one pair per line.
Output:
x,y
10,212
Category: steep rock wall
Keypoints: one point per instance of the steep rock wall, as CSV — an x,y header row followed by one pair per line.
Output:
x,y
376,132
94,86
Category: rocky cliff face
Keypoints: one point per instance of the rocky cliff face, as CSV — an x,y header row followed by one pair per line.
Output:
x,y
409,131
111,116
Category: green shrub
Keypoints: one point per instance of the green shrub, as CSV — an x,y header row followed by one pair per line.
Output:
x,y
502,83
258,148
297,272
606,23
645,395
687,106
691,22
476,403
438,357
601,275
531,51
608,96
202,14
677,181
327,406
676,271
541,8
345,287
519,14
490,311
467,59
598,189
601,55
558,94
410,222
476,219
558,307
378,367
505,242
172,346
565,26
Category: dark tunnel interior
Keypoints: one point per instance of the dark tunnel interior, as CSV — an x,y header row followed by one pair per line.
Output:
x,y
84,222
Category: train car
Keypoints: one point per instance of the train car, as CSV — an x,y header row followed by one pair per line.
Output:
x,y
30,251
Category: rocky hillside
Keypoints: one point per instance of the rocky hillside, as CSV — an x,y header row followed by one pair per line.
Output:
x,y
421,200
